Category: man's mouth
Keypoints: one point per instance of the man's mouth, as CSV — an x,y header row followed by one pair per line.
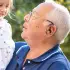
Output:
x,y
24,27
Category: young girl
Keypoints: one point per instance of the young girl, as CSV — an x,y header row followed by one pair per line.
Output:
x,y
7,45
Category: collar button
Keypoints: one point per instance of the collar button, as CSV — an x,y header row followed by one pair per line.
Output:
x,y
28,61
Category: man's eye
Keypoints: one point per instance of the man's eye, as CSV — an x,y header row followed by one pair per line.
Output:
x,y
35,16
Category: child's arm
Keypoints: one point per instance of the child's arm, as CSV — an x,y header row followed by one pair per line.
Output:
x,y
7,45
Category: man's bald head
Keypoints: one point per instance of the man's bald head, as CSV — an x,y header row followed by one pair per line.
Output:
x,y
43,8
58,14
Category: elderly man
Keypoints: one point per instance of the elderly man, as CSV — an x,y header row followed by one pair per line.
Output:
x,y
45,27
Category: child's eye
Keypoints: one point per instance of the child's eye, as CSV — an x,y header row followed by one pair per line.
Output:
x,y
1,5
7,6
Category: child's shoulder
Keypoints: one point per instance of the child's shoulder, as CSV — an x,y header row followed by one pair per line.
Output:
x,y
2,19
3,22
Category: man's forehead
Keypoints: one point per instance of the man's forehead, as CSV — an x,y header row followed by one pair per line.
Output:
x,y
43,8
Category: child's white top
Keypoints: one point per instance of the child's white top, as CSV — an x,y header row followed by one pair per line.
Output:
x,y
7,45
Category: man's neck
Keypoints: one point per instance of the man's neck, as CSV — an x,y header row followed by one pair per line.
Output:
x,y
38,49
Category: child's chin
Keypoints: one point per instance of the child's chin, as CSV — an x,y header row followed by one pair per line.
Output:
x,y
2,16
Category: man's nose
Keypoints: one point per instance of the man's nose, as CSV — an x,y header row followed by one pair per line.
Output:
x,y
26,18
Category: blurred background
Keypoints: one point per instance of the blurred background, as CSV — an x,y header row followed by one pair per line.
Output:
x,y
21,8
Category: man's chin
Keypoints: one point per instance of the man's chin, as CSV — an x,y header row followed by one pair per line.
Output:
x,y
23,36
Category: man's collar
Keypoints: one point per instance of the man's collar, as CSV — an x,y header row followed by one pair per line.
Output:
x,y
23,50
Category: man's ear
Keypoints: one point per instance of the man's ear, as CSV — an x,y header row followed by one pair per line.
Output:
x,y
50,30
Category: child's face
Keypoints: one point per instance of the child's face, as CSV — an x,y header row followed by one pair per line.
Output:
x,y
4,7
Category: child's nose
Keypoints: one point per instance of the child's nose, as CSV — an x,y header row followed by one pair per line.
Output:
x,y
3,9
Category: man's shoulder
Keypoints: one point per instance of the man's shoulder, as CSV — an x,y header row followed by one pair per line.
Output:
x,y
19,44
59,65
20,47
59,62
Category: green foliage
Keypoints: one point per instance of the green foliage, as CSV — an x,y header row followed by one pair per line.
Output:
x,y
21,8
66,3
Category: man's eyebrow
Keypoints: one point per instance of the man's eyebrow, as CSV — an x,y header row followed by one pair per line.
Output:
x,y
36,13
